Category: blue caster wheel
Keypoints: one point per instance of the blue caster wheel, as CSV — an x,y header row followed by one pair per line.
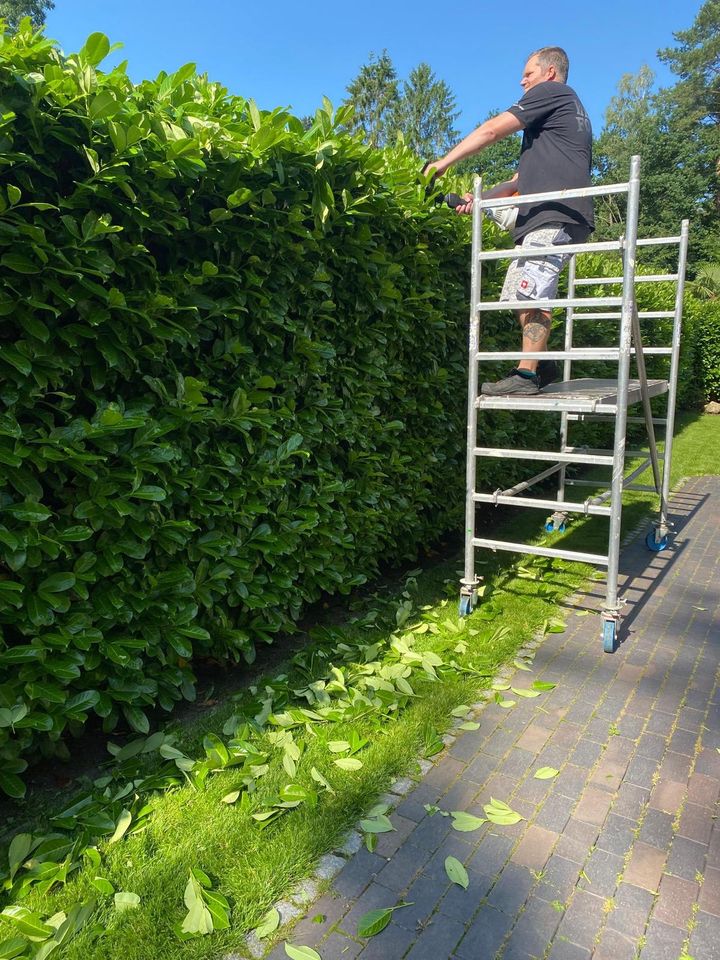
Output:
x,y
466,606
609,636
656,545
550,526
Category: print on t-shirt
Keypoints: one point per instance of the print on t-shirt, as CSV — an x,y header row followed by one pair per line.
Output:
x,y
583,120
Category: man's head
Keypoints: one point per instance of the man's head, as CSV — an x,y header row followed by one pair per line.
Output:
x,y
547,63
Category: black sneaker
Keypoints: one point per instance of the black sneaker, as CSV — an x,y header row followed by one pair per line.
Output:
x,y
515,385
547,372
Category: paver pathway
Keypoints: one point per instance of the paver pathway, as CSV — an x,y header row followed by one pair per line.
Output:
x,y
619,855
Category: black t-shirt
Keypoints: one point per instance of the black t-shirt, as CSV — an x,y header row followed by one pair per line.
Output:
x,y
556,155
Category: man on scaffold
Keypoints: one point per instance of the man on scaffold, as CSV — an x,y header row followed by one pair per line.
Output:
x,y
556,155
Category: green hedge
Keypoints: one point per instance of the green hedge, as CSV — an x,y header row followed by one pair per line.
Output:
x,y
232,367
704,318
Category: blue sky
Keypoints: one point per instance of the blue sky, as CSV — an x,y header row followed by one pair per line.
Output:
x,y
292,54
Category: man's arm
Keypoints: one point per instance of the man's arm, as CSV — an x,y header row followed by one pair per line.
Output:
x,y
505,189
494,129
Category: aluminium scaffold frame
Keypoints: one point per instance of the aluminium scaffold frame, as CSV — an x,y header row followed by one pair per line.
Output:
x,y
583,399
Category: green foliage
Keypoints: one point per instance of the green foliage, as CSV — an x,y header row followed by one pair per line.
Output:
x,y
706,285
232,366
674,174
676,133
375,921
301,953
456,872
702,335
696,61
656,332
44,936
269,924
695,105
546,773
360,676
466,822
703,320
207,909
336,689
500,813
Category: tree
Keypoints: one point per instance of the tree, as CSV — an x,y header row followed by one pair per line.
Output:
x,y
495,163
697,62
374,95
630,126
628,120
695,99
677,178
425,113
13,11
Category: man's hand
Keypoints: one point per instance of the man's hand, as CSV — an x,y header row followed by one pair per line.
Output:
x,y
435,167
467,207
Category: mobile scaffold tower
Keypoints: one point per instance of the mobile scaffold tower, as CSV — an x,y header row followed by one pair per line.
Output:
x,y
581,399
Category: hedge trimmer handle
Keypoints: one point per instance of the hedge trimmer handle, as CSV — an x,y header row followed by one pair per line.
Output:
x,y
454,200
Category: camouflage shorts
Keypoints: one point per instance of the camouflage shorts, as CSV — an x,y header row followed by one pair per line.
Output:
x,y
537,279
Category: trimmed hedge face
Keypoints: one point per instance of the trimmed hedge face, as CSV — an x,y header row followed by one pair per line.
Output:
x,y
232,358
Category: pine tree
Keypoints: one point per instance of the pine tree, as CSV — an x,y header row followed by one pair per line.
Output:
x,y
374,94
426,113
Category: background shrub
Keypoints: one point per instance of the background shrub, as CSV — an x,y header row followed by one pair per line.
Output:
x,y
704,321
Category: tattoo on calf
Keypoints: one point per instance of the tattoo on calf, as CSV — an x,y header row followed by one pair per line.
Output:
x,y
536,330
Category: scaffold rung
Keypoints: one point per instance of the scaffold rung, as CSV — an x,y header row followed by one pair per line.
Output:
x,y
577,353
589,458
641,278
643,315
549,304
599,191
601,246
537,503
594,558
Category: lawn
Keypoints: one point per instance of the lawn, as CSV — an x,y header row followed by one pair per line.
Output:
x,y
377,683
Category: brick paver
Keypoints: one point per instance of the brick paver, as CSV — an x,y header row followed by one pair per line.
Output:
x,y
619,855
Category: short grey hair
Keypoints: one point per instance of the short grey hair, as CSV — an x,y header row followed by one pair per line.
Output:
x,y
553,57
